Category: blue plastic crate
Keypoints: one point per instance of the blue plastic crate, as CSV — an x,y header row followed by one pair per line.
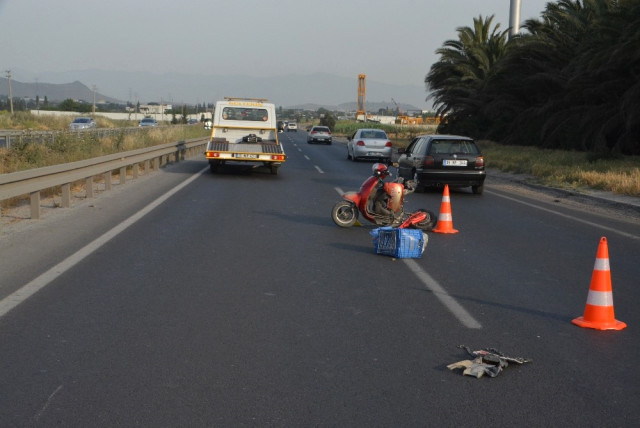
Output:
x,y
399,243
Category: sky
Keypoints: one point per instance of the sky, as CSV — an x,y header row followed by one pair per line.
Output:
x,y
391,42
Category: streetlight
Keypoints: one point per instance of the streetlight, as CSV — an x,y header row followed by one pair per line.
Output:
x,y
514,18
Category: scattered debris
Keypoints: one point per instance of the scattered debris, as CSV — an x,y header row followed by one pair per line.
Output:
x,y
487,361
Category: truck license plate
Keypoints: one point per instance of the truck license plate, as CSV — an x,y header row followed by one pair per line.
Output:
x,y
246,156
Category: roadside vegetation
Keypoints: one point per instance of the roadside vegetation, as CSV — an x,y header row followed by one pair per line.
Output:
x,y
75,146
568,81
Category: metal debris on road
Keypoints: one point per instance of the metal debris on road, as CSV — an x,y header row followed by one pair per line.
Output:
x,y
487,361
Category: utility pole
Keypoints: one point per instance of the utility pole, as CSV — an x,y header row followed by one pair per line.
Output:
x,y
37,97
10,92
514,18
94,99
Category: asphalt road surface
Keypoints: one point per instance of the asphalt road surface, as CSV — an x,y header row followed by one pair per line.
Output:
x,y
234,300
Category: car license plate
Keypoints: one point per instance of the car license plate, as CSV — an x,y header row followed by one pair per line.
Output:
x,y
374,154
246,156
454,162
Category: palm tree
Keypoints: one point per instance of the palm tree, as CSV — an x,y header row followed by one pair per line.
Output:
x,y
457,79
578,74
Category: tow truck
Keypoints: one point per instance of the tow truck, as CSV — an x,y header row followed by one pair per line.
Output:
x,y
245,131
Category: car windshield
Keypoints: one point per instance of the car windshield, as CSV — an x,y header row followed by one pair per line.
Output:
x,y
453,146
148,120
321,129
243,113
373,134
81,120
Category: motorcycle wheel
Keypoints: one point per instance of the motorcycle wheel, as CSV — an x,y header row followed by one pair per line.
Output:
x,y
344,214
428,223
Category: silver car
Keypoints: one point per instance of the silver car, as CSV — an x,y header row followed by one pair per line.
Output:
x,y
319,134
82,123
148,121
369,144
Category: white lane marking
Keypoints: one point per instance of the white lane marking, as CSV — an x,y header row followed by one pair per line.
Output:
x,y
307,157
449,302
610,229
319,170
32,287
46,404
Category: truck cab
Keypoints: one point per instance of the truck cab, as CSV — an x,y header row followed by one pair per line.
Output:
x,y
245,131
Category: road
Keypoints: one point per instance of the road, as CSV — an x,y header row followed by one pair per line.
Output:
x,y
235,301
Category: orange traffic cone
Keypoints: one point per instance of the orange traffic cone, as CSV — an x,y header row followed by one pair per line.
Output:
x,y
598,313
445,221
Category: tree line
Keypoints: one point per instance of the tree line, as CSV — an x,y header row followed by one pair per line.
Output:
x,y
570,81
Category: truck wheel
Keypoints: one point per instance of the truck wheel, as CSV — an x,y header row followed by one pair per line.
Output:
x,y
213,166
274,170
344,214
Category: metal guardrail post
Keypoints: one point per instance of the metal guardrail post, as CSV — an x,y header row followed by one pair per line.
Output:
x,y
35,205
123,175
107,180
66,195
89,187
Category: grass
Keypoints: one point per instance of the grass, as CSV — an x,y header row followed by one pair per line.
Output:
x,y
567,169
71,147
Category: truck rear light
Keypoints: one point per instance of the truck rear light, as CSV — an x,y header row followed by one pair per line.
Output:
x,y
429,161
278,157
479,161
360,143
213,154
387,144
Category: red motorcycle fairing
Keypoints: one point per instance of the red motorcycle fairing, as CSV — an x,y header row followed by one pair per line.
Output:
x,y
361,199
395,191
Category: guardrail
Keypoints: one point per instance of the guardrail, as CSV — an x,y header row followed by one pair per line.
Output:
x,y
32,182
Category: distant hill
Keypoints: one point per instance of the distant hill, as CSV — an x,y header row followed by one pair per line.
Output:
x,y
318,89
54,92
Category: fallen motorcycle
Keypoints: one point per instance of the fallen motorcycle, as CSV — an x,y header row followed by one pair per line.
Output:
x,y
382,203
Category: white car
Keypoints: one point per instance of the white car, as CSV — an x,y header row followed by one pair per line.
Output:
x,y
292,126
369,144
319,134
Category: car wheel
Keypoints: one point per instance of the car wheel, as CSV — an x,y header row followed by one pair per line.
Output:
x,y
477,190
